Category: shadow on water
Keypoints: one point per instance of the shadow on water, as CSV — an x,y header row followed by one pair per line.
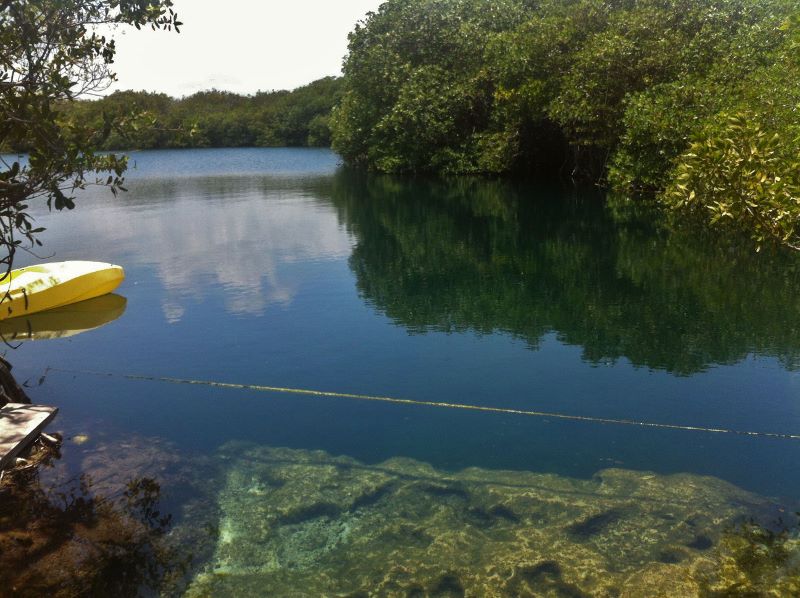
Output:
x,y
103,532
499,256
81,543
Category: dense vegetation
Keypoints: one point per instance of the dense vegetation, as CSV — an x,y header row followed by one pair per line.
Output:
x,y
144,120
693,100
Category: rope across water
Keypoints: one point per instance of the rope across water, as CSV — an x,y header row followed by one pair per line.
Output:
x,y
436,404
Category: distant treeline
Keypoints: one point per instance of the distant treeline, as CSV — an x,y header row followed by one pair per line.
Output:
x,y
128,120
695,100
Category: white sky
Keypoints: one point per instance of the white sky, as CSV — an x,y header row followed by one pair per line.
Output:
x,y
239,45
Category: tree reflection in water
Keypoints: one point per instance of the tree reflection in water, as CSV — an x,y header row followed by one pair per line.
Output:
x,y
498,256
72,540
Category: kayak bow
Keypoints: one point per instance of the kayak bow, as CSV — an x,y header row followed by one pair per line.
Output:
x,y
46,286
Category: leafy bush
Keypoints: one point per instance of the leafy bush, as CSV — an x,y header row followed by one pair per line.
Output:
x,y
742,177
613,91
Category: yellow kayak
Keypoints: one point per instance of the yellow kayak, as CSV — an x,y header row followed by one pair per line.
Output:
x,y
65,321
46,286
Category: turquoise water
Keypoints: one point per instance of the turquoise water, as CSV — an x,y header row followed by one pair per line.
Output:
x,y
280,268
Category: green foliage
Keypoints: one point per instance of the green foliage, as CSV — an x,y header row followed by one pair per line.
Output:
x,y
742,177
611,90
660,122
421,129
416,88
738,170
51,53
212,118
319,131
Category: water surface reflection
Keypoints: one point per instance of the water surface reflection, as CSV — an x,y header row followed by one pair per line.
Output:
x,y
492,256
63,322
483,293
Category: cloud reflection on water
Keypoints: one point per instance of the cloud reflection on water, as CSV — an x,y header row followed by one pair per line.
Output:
x,y
205,234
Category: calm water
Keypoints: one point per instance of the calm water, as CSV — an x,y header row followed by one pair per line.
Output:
x,y
279,268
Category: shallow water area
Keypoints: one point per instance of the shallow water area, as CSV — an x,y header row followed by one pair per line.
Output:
x,y
319,382
303,523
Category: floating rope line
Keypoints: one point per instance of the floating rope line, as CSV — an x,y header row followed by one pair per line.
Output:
x,y
441,405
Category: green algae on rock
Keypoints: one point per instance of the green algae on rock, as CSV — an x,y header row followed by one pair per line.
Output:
x,y
303,523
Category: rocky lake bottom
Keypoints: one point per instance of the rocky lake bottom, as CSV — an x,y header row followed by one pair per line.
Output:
x,y
259,520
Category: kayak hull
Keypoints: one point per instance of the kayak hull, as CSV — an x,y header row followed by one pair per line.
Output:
x,y
47,286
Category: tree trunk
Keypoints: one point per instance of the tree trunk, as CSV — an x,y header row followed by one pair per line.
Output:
x,y
10,391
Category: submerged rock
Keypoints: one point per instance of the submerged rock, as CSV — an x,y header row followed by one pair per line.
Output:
x,y
300,523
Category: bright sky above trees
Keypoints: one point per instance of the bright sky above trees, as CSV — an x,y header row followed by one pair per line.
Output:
x,y
240,45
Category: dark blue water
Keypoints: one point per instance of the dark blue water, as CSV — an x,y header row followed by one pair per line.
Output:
x,y
279,268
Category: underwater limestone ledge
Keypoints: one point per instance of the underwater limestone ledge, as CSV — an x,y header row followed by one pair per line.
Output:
x,y
301,523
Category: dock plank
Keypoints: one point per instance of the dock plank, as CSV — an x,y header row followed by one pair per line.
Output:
x,y
19,426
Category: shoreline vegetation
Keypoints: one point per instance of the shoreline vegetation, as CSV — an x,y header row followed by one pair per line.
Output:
x,y
691,103
139,120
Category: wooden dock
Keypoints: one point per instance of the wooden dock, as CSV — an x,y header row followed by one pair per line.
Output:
x,y
20,424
